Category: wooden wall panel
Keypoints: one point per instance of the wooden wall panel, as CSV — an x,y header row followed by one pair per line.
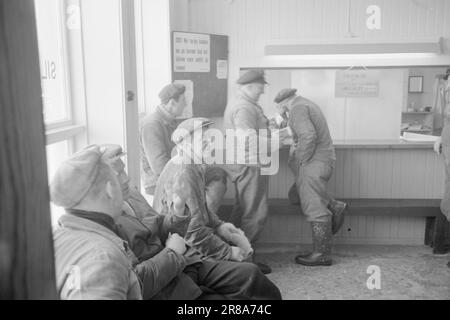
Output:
x,y
364,173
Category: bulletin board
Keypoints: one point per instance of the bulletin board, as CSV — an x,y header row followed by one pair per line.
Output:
x,y
200,61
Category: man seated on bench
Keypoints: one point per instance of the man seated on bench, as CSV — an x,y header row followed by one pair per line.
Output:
x,y
166,275
92,261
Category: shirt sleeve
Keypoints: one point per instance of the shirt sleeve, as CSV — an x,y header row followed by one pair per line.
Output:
x,y
157,272
154,147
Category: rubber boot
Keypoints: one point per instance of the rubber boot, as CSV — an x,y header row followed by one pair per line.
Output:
x,y
321,255
293,196
338,209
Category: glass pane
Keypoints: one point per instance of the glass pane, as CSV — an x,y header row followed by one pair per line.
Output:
x,y
51,54
56,154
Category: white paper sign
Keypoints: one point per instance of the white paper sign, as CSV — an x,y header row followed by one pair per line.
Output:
x,y
357,84
192,52
189,94
222,69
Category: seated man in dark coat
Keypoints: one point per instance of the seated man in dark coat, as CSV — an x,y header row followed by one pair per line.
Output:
x,y
168,274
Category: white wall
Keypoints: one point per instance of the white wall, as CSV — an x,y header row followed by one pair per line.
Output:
x,y
376,118
251,24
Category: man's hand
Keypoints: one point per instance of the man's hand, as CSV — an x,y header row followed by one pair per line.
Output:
x,y
176,243
237,238
286,136
225,230
438,146
237,254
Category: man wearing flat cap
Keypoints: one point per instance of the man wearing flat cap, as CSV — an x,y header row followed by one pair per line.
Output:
x,y
311,159
180,193
244,113
167,272
155,134
92,261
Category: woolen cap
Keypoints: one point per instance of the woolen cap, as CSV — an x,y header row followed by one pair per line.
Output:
x,y
187,127
284,94
171,91
252,76
75,176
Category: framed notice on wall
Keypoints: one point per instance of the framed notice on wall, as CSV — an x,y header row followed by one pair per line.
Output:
x,y
201,60
357,84
191,52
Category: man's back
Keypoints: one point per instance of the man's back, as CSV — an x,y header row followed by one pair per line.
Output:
x,y
156,130
244,113
92,262
324,149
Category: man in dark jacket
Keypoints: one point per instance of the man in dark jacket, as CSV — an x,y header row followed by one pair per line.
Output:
x,y
156,131
174,275
156,145
312,159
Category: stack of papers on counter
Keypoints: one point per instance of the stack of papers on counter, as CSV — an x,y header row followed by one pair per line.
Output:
x,y
415,137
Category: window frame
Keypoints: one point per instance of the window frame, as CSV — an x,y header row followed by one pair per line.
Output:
x,y
64,129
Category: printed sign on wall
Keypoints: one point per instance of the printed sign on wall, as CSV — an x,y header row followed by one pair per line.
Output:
x,y
192,52
357,84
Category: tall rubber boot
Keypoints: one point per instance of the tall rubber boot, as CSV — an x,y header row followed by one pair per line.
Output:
x,y
321,255
337,208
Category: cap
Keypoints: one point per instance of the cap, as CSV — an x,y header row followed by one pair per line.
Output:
x,y
284,94
75,177
252,76
187,127
171,91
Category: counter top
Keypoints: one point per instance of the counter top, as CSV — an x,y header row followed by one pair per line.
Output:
x,y
382,144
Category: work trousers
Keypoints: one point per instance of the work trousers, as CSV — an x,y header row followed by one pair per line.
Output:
x,y
230,280
311,182
251,208
220,280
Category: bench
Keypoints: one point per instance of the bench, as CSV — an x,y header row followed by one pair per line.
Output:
x,y
437,231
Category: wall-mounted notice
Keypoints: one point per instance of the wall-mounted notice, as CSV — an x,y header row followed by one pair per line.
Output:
x,y
191,52
357,84
189,94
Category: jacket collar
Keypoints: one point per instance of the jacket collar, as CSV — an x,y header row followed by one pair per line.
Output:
x,y
166,116
77,223
241,94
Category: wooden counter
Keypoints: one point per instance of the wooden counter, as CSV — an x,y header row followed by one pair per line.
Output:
x,y
382,144
392,185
